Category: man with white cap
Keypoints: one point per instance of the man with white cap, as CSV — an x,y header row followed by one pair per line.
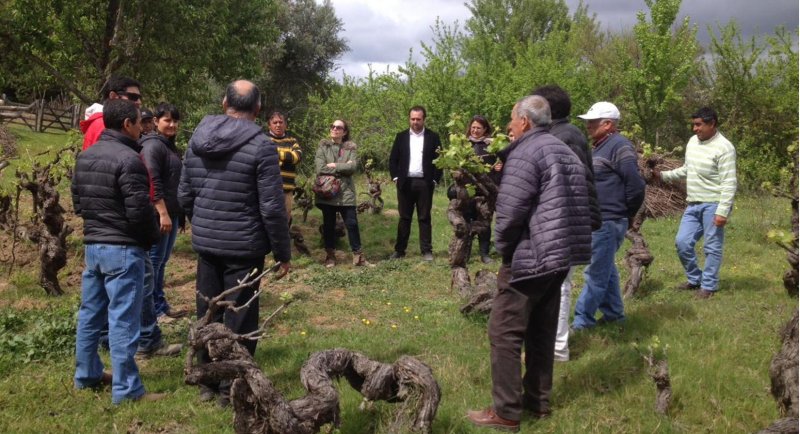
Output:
x,y
620,192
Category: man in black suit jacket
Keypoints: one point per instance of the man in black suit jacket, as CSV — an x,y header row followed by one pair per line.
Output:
x,y
412,170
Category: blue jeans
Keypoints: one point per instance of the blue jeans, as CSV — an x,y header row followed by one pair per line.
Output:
x,y
698,221
159,255
601,287
350,218
150,332
111,292
150,339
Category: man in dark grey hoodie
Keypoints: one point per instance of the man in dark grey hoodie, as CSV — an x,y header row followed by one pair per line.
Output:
x,y
232,192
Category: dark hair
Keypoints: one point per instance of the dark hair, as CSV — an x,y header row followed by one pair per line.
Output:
x,y
165,108
247,103
558,98
481,120
706,114
418,108
346,135
115,111
117,84
278,113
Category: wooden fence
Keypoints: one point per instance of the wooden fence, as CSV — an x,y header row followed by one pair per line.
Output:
x,y
42,115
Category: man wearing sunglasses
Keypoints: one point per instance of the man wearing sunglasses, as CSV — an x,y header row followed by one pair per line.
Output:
x,y
115,88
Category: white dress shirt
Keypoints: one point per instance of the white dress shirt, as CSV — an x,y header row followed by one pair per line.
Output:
x,y
416,143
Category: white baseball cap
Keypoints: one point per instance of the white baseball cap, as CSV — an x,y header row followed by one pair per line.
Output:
x,y
601,110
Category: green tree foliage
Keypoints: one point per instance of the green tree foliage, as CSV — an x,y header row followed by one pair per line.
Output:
x,y
172,46
655,77
754,85
298,62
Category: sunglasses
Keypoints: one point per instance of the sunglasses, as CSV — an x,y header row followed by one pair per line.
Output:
x,y
130,95
337,127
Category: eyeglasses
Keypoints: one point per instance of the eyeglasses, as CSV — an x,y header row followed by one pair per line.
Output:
x,y
130,95
337,127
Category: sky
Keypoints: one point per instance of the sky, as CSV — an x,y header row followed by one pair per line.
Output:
x,y
380,33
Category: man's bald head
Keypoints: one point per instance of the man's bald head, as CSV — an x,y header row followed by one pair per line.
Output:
x,y
242,96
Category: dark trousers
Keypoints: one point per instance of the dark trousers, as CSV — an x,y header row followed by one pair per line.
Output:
x,y
526,313
350,217
215,274
414,192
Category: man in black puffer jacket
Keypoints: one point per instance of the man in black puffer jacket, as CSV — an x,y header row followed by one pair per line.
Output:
x,y
562,129
232,192
543,228
110,191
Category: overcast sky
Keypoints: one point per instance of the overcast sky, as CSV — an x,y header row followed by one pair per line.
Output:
x,y
381,32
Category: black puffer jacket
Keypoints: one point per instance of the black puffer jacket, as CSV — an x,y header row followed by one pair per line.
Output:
x,y
164,164
574,138
543,224
232,192
111,192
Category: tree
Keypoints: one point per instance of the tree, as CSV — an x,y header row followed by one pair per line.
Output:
x,y
77,45
655,77
299,61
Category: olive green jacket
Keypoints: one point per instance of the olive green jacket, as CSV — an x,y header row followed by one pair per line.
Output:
x,y
346,160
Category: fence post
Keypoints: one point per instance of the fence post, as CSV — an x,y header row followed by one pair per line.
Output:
x,y
39,116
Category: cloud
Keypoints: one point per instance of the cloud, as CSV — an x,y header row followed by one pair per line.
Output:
x,y
381,32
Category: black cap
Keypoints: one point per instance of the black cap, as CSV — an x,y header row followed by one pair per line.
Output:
x,y
147,114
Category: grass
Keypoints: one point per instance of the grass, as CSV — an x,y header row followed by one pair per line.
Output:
x,y
719,350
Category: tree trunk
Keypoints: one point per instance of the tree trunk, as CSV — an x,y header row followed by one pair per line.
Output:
x,y
637,257
783,372
260,408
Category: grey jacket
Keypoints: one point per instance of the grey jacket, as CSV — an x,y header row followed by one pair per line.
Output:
x,y
543,223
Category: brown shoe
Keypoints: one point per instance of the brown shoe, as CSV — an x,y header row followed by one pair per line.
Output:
x,y
685,286
107,378
360,261
489,419
330,258
702,294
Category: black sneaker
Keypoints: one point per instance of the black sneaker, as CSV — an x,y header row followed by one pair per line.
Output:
x,y
397,255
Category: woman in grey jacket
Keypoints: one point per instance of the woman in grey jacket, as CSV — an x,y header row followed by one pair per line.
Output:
x,y
337,156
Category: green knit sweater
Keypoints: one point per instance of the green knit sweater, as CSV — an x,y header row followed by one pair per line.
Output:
x,y
710,172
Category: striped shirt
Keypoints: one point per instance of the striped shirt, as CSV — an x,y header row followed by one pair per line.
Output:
x,y
289,154
710,172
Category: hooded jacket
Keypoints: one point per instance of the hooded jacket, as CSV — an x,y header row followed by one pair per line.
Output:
x,y
92,127
110,191
543,223
231,190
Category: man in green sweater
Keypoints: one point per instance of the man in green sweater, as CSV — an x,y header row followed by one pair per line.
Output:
x,y
710,173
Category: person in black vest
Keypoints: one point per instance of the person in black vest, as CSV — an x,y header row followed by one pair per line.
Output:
x,y
412,170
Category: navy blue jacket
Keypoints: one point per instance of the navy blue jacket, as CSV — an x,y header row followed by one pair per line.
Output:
x,y
543,223
232,192
620,187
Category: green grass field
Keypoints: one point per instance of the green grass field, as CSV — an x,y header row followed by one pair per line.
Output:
x,y
719,350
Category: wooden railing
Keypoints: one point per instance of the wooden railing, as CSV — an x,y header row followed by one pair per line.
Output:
x,y
42,115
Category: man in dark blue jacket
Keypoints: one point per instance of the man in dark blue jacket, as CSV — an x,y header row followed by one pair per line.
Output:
x,y
620,192
412,170
543,228
110,191
232,192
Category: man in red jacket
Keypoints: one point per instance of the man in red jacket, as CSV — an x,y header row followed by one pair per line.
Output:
x,y
115,88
